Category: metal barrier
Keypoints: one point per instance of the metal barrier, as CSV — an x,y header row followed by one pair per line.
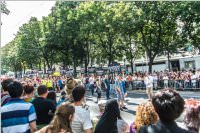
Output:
x,y
160,84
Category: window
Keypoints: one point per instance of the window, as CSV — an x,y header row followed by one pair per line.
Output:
x,y
189,64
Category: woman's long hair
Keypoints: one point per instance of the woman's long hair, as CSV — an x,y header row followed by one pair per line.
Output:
x,y
108,121
61,119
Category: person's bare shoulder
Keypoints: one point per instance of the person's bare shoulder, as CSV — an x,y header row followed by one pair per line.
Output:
x,y
43,130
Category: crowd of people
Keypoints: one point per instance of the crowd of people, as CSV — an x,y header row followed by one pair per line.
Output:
x,y
174,79
32,105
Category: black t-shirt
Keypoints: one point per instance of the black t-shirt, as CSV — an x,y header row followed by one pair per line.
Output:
x,y
160,127
44,110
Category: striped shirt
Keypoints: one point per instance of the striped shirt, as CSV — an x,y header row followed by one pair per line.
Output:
x,y
4,99
16,116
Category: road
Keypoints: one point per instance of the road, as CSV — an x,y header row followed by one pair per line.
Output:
x,y
133,99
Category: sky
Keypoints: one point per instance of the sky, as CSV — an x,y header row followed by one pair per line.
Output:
x,y
20,13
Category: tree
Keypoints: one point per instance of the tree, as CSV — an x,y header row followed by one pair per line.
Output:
x,y
107,33
11,58
87,16
156,24
126,14
189,21
29,44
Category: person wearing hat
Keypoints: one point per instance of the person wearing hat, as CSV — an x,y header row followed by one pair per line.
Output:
x,y
70,85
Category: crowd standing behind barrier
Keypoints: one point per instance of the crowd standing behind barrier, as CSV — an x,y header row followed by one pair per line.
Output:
x,y
176,80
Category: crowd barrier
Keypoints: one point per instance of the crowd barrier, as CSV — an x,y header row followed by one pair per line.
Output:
x,y
160,84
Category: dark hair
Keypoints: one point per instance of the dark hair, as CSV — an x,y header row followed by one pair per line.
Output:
x,y
5,83
52,96
42,89
28,89
15,89
78,93
63,93
168,104
112,109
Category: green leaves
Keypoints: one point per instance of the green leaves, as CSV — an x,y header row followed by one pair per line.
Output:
x,y
77,33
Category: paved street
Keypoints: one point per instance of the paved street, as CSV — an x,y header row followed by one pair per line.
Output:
x,y
133,99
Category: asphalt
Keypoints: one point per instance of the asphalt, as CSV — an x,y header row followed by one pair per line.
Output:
x,y
133,99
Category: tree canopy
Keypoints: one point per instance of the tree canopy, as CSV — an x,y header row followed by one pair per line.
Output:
x,y
80,33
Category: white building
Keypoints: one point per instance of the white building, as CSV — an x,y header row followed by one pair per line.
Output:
x,y
177,62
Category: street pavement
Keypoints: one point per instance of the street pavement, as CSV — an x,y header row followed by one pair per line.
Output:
x,y
133,99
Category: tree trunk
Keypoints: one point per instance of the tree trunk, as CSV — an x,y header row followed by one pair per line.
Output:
x,y
64,65
87,57
31,66
168,60
48,65
131,65
86,64
40,65
150,65
24,67
74,65
110,56
51,65
110,59
151,57
44,67
15,69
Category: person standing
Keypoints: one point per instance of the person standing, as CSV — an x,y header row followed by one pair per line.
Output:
x,y
120,92
112,84
50,83
148,80
130,81
91,81
17,116
60,84
5,97
97,86
44,108
107,83
81,122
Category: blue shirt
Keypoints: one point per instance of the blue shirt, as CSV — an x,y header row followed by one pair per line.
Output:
x,y
16,116
120,84
60,83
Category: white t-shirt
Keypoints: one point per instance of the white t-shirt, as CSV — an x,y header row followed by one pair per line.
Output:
x,y
91,80
148,81
165,78
81,120
194,77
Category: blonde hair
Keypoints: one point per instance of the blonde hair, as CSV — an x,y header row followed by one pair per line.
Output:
x,y
61,119
145,115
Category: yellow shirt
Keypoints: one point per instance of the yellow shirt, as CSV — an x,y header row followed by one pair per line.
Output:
x,y
49,83
44,82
